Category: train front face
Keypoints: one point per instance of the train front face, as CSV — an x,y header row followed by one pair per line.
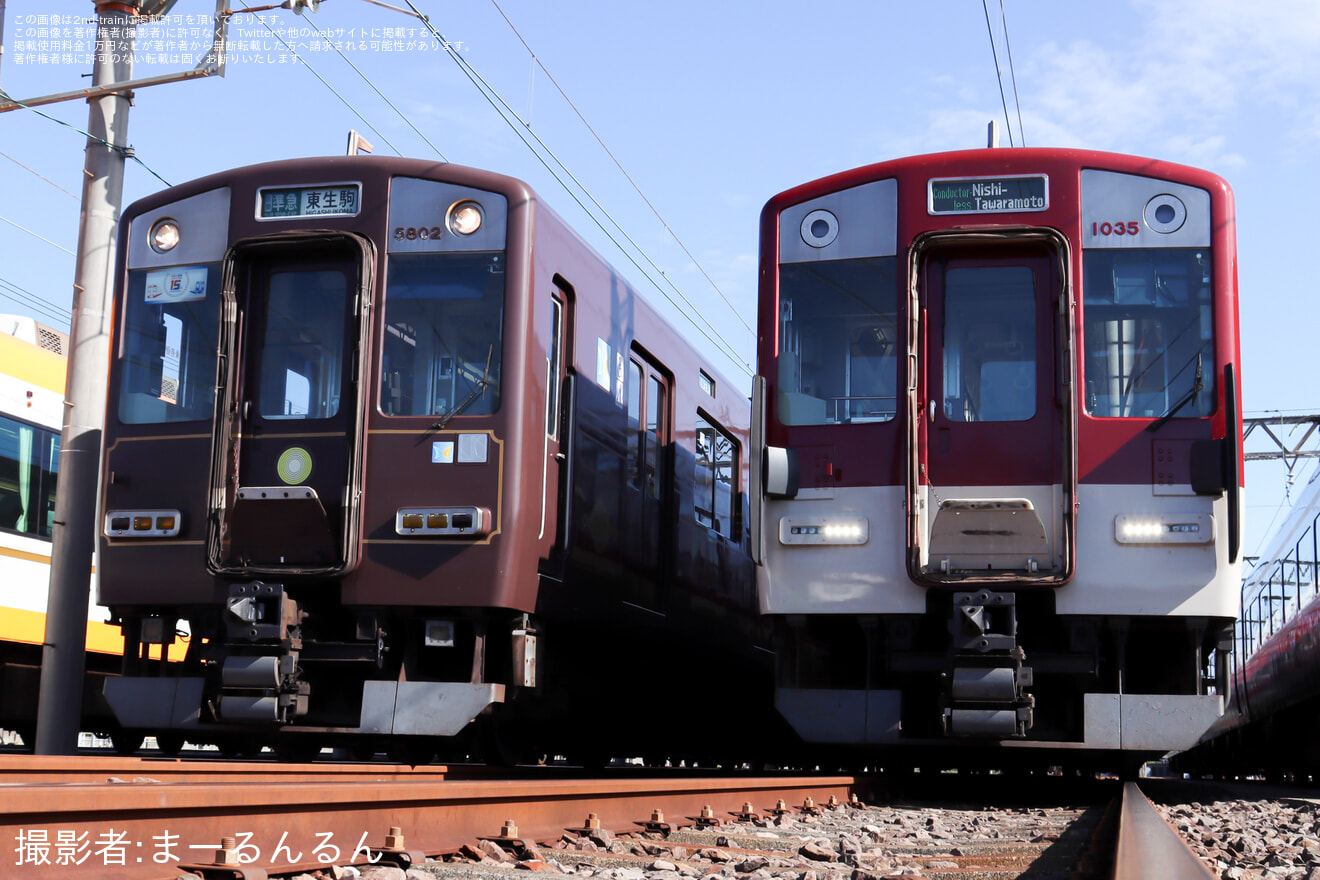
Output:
x,y
998,504
325,380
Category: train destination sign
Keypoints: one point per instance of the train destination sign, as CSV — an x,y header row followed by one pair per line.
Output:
x,y
988,195
331,199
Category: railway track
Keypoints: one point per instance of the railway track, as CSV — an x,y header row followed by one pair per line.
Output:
x,y
255,821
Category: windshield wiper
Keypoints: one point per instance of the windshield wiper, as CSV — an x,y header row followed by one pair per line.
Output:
x,y
478,390
1198,385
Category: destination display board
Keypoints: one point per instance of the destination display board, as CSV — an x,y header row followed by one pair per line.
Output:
x,y
330,199
988,195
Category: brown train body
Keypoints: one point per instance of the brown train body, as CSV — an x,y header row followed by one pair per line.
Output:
x,y
394,477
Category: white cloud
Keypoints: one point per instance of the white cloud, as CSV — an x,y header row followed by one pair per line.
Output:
x,y
1186,80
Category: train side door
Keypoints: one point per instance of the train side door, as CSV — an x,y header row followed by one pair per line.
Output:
x,y
993,417
648,535
292,437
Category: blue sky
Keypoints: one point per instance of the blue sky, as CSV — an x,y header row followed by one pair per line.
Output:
x,y
712,108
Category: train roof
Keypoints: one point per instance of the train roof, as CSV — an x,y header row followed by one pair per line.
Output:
x,y
319,169
990,160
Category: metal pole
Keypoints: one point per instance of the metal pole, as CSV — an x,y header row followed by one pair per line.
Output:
x,y
59,710
2,30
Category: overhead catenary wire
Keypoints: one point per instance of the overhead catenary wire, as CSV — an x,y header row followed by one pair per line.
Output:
x,y
368,81
11,291
509,115
999,77
39,174
126,152
1012,72
23,228
323,81
619,165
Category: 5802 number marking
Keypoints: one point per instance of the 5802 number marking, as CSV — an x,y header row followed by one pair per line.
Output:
x,y
414,233
1129,227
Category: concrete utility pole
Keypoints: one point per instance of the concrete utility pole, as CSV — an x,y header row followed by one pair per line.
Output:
x,y
59,711
2,30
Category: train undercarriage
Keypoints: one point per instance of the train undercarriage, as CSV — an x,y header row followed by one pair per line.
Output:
x,y
999,669
294,669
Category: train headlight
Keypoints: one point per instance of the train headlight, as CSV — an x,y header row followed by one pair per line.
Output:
x,y
830,529
453,522
142,523
164,235
465,218
1164,528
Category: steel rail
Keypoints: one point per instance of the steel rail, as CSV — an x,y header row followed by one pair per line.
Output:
x,y
1149,847
105,768
145,831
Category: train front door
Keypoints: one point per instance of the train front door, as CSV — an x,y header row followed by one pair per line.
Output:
x,y
293,417
993,470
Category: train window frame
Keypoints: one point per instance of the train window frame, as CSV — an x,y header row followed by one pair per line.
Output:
x,y
721,516
41,463
1143,287
474,382
840,341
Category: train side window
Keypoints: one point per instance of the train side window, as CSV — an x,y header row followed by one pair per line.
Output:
x,y
633,469
839,342
655,413
556,356
1149,332
716,467
29,464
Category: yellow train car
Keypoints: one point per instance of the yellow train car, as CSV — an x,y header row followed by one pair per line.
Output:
x,y
32,371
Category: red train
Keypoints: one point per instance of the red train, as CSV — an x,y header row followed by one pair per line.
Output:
x,y
1268,727
397,451
1001,504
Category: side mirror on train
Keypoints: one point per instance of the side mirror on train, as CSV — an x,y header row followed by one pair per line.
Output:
x,y
781,472
1206,462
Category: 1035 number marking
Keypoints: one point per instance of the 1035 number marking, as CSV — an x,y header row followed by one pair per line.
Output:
x,y
1131,227
415,233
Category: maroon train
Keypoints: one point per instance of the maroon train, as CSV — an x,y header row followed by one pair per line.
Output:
x,y
397,451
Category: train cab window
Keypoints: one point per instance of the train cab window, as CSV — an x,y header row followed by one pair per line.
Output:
x,y
990,344
302,353
839,342
443,344
1149,333
716,467
168,344
29,465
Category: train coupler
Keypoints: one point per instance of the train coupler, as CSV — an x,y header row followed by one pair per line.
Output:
x,y
985,692
262,689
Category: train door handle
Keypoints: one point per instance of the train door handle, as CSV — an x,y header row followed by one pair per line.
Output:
x,y
932,410
247,407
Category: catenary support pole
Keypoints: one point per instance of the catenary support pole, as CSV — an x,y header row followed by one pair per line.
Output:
x,y
59,710
2,33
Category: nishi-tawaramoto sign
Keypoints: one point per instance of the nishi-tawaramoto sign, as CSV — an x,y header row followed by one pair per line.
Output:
x,y
988,195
